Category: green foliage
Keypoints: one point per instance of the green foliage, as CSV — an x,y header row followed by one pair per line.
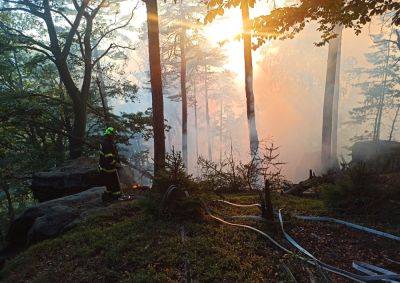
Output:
x,y
287,21
36,107
230,175
175,192
361,191
379,89
174,174
221,177
352,192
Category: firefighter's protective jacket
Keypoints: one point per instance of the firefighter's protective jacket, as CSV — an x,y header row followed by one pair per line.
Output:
x,y
108,156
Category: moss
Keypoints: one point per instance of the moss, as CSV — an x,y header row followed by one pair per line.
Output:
x,y
129,244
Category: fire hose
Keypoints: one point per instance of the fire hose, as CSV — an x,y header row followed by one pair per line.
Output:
x,y
371,271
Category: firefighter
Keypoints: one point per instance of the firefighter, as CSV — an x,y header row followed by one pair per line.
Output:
x,y
108,164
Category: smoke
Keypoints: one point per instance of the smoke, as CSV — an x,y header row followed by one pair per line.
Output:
x,y
289,89
289,81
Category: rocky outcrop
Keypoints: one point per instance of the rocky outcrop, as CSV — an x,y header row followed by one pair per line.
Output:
x,y
74,177
52,218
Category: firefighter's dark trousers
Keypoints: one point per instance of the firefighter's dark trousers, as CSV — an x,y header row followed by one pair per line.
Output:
x,y
111,181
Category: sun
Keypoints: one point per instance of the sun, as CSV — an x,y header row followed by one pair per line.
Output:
x,y
223,32
224,28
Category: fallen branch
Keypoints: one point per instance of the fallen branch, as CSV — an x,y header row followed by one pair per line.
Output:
x,y
300,188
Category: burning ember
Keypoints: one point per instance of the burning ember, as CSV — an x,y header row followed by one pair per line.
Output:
x,y
135,186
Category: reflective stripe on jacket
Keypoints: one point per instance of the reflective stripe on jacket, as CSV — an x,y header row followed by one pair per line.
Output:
x,y
108,156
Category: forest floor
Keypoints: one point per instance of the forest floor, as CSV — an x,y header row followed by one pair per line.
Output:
x,y
132,245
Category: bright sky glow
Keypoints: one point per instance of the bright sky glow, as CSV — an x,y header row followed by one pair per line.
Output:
x,y
225,29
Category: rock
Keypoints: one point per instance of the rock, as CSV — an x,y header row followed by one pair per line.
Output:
x,y
75,176
381,155
52,218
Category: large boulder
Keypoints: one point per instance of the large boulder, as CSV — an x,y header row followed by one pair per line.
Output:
x,y
381,155
52,218
75,176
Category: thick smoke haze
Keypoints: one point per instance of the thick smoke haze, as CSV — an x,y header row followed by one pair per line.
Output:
x,y
289,81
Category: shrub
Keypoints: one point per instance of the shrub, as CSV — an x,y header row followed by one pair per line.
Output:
x,y
175,192
174,174
234,176
359,191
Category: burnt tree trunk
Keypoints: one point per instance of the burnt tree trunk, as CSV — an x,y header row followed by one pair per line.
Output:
x,y
248,68
267,209
156,85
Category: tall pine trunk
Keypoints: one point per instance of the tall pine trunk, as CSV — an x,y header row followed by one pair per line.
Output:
x,y
248,68
195,119
156,85
336,102
394,122
182,43
220,129
207,114
327,160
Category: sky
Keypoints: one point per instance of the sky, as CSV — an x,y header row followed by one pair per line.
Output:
x,y
289,81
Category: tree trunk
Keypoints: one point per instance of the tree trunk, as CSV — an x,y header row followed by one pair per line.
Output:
x,y
182,43
195,119
207,114
102,89
394,122
156,85
378,118
220,130
335,121
78,97
77,140
327,122
66,115
103,98
248,68
10,207
20,81
267,209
